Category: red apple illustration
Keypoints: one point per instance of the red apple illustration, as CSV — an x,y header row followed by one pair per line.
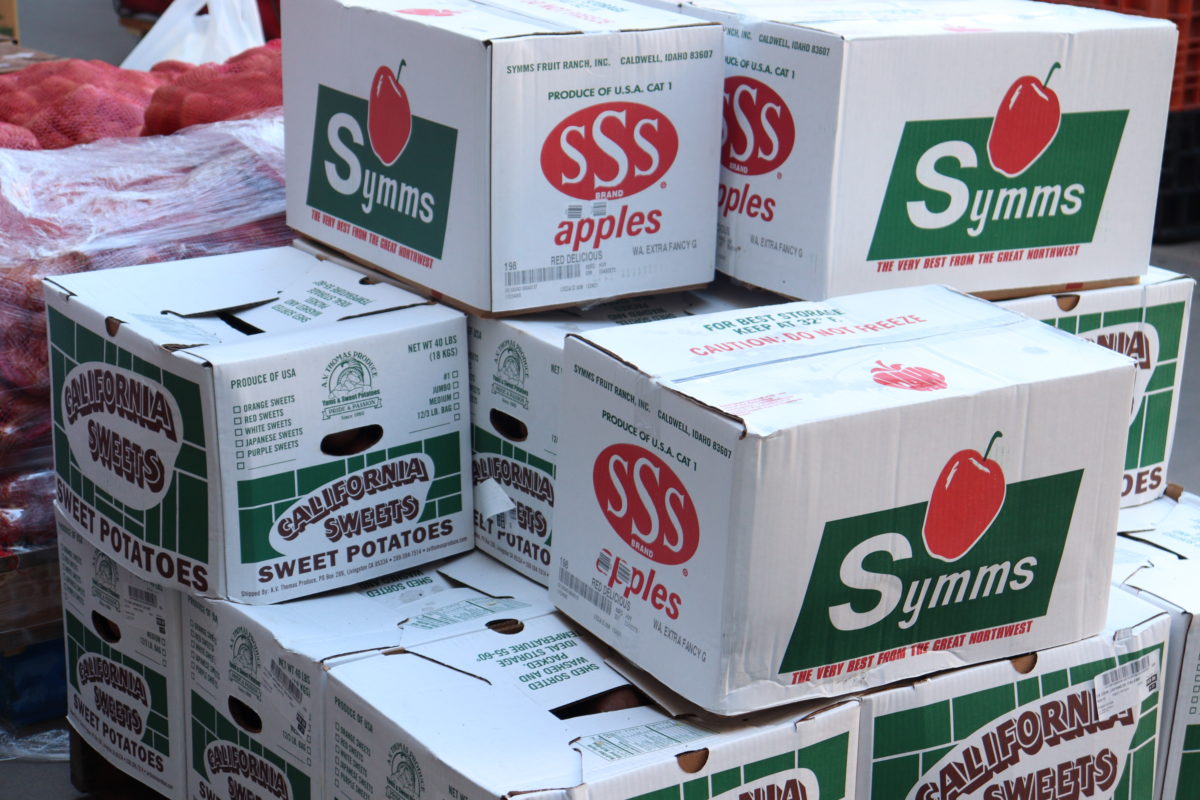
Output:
x,y
898,376
966,499
1025,125
389,118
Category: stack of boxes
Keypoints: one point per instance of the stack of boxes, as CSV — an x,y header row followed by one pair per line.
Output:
x,y
859,546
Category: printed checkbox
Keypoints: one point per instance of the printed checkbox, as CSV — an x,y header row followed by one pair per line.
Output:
x,y
237,431
457,417
236,409
241,465
242,443
237,420
241,454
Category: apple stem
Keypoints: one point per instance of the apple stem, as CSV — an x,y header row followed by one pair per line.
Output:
x,y
995,436
1051,72
404,63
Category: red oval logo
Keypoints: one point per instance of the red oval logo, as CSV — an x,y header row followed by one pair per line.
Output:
x,y
609,150
757,132
646,503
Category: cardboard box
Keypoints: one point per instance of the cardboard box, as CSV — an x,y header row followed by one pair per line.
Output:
x,y
259,426
1149,323
1175,587
1073,721
528,155
987,144
537,713
810,499
515,413
9,23
124,645
1176,527
1131,555
255,675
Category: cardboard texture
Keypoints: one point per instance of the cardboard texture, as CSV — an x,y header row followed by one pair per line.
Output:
x,y
255,675
1079,720
509,155
536,713
1131,555
1174,588
515,413
1178,530
726,539
988,144
1149,323
259,426
124,646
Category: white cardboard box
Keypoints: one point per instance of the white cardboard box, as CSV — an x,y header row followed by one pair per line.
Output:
x,y
255,675
993,145
1046,725
1149,323
773,504
259,426
124,664
1175,587
1132,554
515,413
535,713
529,155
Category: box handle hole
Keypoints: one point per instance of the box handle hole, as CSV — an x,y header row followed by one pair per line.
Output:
x,y
1067,302
109,631
351,442
244,715
508,426
692,760
1025,664
507,626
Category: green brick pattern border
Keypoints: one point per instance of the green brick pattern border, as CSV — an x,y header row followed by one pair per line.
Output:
x,y
208,725
1189,764
262,501
1148,431
81,640
179,523
483,442
909,743
828,759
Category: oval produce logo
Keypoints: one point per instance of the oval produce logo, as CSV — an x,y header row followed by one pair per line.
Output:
x,y
609,150
646,504
757,132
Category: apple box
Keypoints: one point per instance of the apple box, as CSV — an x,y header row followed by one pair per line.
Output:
x,y
124,646
1080,720
1175,587
258,426
810,499
255,675
509,155
533,710
993,145
1147,322
515,394
1132,554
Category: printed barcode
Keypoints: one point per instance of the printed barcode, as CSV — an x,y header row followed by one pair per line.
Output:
x,y
289,685
604,564
521,277
1124,671
586,591
143,596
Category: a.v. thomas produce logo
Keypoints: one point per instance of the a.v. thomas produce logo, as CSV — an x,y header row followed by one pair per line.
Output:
x,y
1030,176
979,554
404,780
349,381
378,166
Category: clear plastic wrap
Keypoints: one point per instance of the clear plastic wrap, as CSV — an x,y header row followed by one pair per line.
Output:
x,y
207,190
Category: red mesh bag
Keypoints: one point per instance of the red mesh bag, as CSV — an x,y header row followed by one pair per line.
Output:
x,y
248,82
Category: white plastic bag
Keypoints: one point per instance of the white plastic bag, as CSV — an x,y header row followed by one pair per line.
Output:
x,y
183,34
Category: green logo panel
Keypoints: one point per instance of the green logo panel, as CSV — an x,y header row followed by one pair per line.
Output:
x,y
1056,201
408,202
932,598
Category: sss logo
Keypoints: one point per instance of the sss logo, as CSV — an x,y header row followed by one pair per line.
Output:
x,y
757,131
609,150
646,503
